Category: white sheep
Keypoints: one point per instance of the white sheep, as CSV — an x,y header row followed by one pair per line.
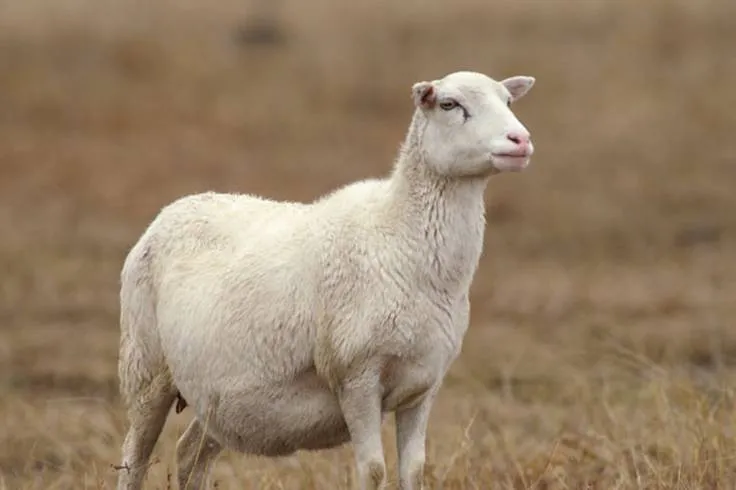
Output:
x,y
291,326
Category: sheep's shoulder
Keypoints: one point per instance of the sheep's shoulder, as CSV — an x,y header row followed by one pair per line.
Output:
x,y
361,194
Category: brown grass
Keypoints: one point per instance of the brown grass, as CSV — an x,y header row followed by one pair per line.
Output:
x,y
602,347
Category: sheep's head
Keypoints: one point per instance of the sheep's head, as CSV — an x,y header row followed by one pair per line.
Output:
x,y
469,128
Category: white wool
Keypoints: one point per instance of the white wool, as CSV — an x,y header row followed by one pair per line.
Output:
x,y
289,326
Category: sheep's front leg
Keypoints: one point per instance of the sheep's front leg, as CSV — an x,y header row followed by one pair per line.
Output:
x,y
360,401
411,434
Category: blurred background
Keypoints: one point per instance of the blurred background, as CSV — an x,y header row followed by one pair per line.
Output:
x,y
602,347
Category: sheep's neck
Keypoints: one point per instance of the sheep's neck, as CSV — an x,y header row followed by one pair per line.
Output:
x,y
443,217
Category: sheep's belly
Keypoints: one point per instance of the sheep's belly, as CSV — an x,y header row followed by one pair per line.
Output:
x,y
277,421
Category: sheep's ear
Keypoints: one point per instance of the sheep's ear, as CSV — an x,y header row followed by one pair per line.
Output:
x,y
424,94
518,86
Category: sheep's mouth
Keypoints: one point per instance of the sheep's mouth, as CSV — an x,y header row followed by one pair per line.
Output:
x,y
513,155
511,161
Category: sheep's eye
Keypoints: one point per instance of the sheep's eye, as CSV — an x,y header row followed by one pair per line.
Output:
x,y
448,105
508,103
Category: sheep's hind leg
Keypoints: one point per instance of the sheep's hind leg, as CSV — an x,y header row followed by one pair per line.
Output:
x,y
146,415
195,452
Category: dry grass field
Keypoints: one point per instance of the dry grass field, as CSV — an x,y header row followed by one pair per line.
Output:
x,y
602,347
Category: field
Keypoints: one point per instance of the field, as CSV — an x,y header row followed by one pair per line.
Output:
x,y
602,346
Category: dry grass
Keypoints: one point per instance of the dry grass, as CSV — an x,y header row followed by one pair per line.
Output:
x,y
602,347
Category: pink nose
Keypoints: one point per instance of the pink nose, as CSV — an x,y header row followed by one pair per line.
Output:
x,y
521,139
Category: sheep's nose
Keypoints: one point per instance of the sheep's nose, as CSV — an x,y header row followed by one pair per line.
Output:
x,y
519,138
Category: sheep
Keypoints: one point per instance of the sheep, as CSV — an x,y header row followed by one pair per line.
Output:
x,y
291,326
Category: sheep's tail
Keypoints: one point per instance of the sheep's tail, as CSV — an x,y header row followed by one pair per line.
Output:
x,y
141,362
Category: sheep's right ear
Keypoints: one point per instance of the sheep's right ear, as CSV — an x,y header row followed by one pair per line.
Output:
x,y
424,95
518,86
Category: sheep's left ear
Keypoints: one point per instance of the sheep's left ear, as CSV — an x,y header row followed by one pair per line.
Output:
x,y
518,86
424,94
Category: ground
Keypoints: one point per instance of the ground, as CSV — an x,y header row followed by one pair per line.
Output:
x,y
602,349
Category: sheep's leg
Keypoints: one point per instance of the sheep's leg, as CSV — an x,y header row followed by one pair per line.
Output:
x,y
146,415
195,452
360,402
411,435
